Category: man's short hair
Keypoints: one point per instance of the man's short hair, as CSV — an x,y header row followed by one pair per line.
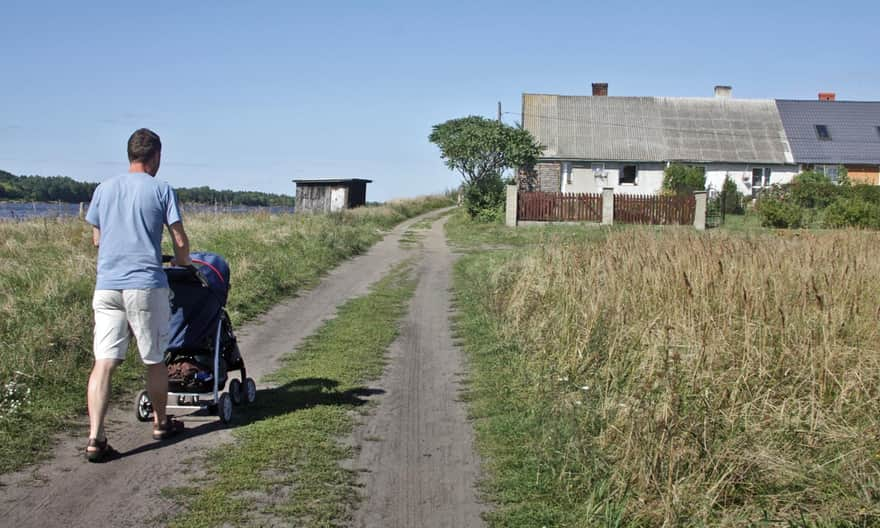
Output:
x,y
143,145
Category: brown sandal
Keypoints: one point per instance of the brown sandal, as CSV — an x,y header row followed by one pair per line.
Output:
x,y
170,428
102,451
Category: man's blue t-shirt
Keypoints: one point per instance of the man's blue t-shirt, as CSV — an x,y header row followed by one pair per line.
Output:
x,y
131,210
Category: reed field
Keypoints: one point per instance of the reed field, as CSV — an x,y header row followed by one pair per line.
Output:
x,y
47,273
673,378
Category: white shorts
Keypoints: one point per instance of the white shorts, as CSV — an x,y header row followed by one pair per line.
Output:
x,y
121,313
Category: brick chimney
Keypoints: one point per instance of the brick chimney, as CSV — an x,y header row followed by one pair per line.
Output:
x,y
600,89
723,91
827,96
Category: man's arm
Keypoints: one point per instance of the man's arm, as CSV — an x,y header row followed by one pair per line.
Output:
x,y
181,244
96,236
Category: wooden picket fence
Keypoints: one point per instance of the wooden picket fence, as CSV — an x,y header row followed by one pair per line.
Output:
x,y
657,210
559,207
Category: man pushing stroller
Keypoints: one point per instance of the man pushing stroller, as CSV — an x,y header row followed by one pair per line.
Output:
x,y
128,214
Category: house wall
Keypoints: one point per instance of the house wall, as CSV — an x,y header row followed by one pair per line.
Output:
x,y
868,174
550,177
741,174
319,198
649,178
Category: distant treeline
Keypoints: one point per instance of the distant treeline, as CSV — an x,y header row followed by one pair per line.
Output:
x,y
43,189
64,189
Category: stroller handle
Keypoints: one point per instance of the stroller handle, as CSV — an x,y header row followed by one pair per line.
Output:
x,y
166,259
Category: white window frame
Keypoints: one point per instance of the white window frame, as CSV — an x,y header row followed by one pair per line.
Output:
x,y
827,170
766,172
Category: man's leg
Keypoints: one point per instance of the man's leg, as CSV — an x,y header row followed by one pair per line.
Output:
x,y
149,312
99,395
157,387
110,345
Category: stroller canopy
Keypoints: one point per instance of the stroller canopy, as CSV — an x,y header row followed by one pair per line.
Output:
x,y
195,309
216,273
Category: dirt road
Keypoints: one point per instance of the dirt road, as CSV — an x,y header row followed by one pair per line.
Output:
x,y
416,450
67,491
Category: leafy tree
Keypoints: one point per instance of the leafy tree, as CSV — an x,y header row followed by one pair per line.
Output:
x,y
478,147
683,179
481,150
730,197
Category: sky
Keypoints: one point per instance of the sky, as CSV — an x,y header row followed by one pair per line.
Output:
x,y
252,95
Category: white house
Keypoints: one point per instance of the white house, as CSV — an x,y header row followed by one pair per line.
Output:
x,y
599,141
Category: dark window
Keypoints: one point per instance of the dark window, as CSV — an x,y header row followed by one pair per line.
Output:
x,y
628,175
878,130
822,132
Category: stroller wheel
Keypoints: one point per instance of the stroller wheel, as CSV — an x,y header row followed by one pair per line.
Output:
x,y
250,390
143,407
235,391
224,408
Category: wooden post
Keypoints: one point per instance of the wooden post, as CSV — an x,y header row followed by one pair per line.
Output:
x,y
82,210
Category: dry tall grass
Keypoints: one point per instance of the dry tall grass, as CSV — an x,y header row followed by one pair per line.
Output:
x,y
723,379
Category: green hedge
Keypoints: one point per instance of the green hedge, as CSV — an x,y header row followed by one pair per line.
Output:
x,y
811,200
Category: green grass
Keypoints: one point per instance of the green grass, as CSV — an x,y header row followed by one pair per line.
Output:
x,y
284,467
536,470
750,222
465,233
47,273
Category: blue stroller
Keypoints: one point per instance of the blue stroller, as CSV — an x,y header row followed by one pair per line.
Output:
x,y
203,349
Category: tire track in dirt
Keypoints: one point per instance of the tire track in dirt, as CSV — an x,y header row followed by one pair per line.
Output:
x,y
68,491
416,450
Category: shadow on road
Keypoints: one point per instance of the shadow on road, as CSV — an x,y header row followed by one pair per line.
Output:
x,y
301,394
290,397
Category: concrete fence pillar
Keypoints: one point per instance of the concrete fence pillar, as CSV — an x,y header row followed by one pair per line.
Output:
x,y
607,205
510,206
700,210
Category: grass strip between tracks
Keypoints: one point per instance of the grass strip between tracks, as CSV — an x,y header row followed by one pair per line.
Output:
x,y
285,466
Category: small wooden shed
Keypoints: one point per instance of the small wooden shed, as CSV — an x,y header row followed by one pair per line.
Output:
x,y
329,196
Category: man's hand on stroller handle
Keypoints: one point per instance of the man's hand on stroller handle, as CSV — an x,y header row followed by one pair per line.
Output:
x,y
198,275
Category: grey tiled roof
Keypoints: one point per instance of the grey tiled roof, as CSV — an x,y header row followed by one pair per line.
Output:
x,y
852,126
656,128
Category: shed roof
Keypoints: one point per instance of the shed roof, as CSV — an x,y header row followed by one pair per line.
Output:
x,y
853,127
332,181
656,128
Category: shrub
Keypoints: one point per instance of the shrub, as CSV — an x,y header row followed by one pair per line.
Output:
x,y
810,177
484,199
776,211
868,193
852,212
814,195
730,199
682,179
